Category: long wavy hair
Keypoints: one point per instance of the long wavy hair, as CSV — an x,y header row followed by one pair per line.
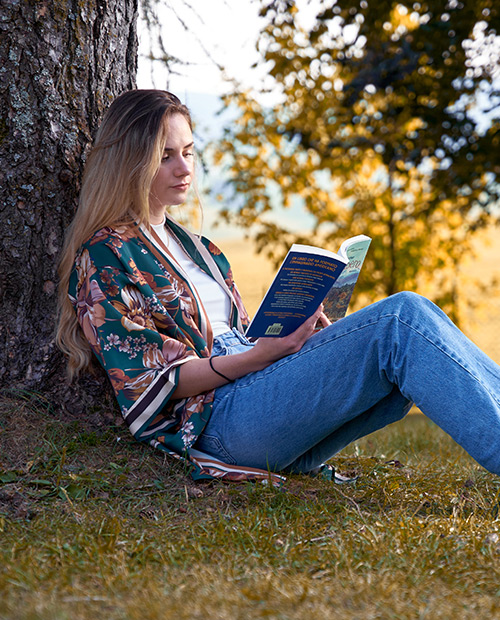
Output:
x,y
120,168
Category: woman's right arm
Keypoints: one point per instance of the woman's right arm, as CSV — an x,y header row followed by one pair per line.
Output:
x,y
196,376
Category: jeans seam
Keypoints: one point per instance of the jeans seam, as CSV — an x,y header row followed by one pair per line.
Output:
x,y
451,357
220,449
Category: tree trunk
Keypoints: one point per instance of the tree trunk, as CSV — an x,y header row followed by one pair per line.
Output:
x,y
61,63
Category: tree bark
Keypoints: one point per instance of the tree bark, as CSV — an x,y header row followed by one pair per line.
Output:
x,y
62,62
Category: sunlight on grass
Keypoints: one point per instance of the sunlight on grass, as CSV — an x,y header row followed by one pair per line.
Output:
x,y
91,526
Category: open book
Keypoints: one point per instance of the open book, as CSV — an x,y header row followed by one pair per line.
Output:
x,y
307,277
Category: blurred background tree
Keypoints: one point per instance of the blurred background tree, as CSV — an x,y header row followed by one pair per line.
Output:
x,y
384,121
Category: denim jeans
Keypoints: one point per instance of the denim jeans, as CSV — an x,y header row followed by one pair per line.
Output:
x,y
352,378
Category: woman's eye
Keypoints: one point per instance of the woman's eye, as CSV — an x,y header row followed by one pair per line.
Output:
x,y
189,154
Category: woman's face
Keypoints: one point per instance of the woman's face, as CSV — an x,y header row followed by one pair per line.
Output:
x,y
173,179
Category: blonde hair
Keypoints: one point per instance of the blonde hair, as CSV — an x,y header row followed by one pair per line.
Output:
x,y
121,166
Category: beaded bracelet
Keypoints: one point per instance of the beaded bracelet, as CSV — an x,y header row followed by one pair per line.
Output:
x,y
219,373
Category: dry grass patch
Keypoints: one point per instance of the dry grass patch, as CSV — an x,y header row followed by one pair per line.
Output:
x,y
94,526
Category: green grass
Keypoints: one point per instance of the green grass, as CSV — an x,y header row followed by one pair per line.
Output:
x,y
94,525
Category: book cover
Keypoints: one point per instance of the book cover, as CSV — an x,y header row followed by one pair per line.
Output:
x,y
306,275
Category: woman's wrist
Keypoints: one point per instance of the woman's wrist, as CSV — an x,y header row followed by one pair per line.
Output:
x,y
202,374
211,362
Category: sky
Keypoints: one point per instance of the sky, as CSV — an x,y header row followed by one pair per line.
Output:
x,y
206,33
214,31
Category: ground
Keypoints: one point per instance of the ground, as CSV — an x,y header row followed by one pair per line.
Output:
x,y
94,524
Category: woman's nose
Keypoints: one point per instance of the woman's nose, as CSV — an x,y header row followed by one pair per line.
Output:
x,y
183,167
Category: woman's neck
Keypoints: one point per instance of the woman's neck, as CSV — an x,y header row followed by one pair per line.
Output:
x,y
157,222
157,216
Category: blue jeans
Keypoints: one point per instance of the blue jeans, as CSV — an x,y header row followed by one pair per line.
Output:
x,y
352,378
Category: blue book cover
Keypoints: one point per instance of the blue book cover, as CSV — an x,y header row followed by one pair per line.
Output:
x,y
304,278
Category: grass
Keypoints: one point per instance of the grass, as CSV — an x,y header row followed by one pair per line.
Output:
x,y
95,525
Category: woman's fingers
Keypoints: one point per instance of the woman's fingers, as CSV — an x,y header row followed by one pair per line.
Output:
x,y
277,348
324,320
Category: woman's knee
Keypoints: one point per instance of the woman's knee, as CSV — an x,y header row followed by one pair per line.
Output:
x,y
410,301
411,308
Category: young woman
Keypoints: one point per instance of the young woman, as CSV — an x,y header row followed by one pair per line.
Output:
x,y
157,306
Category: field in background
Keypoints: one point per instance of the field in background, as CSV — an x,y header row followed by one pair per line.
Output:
x,y
253,274
482,324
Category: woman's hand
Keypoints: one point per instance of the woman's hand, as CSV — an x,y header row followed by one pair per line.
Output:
x,y
276,348
323,319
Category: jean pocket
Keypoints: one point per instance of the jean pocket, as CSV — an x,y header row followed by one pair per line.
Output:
x,y
230,346
212,446
242,338
241,347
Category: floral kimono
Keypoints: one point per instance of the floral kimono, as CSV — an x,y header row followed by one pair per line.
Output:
x,y
143,320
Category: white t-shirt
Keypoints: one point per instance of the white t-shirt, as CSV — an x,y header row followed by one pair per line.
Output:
x,y
215,300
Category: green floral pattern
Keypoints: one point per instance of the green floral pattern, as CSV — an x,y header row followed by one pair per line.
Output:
x,y
143,320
